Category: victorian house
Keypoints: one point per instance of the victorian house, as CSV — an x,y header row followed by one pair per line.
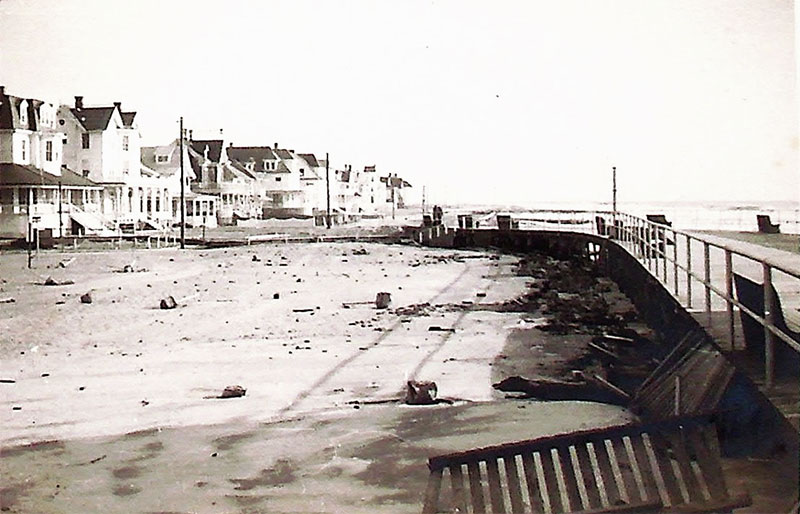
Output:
x,y
36,191
103,145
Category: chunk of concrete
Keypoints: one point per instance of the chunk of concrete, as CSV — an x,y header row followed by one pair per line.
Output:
x,y
382,300
420,392
168,303
234,391
86,298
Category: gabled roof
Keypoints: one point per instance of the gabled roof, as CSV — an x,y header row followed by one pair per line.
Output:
x,y
255,154
127,118
281,168
214,148
21,175
283,154
93,118
310,158
238,167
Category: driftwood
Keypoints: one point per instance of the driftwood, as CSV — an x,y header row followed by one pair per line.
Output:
x,y
559,390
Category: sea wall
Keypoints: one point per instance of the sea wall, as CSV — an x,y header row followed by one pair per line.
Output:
x,y
749,424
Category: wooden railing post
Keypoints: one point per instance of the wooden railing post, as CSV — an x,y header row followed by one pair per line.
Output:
x,y
769,319
729,297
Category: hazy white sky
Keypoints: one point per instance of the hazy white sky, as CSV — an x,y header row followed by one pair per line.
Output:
x,y
490,102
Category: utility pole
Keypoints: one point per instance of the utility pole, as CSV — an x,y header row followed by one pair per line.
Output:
x,y
60,219
328,190
392,184
423,200
183,193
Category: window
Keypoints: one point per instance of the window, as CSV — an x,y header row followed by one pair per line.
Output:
x,y
85,140
48,152
161,158
277,179
24,149
125,143
23,196
85,173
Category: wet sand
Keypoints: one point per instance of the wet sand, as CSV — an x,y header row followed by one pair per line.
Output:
x,y
108,410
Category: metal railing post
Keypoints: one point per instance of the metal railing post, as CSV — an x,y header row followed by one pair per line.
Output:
x,y
664,253
688,271
769,319
675,262
707,279
729,297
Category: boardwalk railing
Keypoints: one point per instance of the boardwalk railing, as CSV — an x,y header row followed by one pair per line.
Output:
x,y
698,270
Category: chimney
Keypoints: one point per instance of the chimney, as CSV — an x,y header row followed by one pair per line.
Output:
x,y
2,90
79,102
230,144
276,146
118,105
220,132
190,134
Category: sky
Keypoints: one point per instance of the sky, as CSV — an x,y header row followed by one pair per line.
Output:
x,y
501,102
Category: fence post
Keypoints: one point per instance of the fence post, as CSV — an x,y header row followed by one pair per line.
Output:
x,y
769,319
729,297
688,271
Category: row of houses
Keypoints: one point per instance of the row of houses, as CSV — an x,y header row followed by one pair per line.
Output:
x,y
77,169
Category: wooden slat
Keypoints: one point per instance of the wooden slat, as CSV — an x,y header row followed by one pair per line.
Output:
x,y
475,487
664,459
628,508
431,504
726,505
627,471
709,464
570,480
610,486
532,481
457,480
589,480
514,489
687,473
551,484
495,490
645,468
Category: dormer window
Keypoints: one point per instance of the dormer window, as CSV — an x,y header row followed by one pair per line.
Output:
x,y
48,151
85,141
23,113
125,143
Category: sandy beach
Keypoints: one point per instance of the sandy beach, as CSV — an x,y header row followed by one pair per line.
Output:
x,y
109,406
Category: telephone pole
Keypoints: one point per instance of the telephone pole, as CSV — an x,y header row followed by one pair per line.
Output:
x,y
328,190
183,193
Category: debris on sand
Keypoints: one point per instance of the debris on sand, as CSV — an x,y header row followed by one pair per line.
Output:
x,y
168,303
382,300
360,251
256,258
234,391
276,296
420,392
64,264
7,300
50,281
548,389
130,268
437,328
86,298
